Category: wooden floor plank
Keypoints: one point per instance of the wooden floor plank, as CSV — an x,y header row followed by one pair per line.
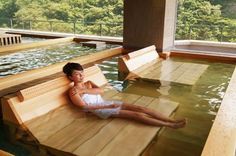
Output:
x,y
45,126
55,121
179,72
106,134
163,70
176,73
76,133
191,75
69,130
79,130
134,138
78,140
151,67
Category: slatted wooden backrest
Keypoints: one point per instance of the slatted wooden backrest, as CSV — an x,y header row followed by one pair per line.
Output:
x,y
140,57
42,98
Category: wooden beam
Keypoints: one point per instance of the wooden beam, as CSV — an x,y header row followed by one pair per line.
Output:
x,y
208,56
16,48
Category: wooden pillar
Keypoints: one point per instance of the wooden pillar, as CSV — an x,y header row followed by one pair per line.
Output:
x,y
149,22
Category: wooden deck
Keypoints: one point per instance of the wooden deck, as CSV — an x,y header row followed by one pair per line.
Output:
x,y
146,64
58,127
172,71
85,135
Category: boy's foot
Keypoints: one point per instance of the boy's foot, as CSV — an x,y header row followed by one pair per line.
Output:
x,y
180,120
178,125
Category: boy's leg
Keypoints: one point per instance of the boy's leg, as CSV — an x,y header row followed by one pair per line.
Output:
x,y
154,114
137,116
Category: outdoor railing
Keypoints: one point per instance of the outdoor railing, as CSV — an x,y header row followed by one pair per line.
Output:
x,y
76,27
218,33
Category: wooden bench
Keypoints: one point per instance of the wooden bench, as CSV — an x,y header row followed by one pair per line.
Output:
x,y
146,64
57,127
13,83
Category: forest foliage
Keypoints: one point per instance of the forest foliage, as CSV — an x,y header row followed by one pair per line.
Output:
x,y
197,19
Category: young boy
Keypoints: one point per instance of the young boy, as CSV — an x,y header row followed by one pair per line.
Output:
x,y
86,95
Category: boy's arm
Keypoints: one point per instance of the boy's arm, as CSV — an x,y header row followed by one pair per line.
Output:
x,y
92,88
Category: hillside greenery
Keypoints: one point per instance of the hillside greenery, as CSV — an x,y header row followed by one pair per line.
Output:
x,y
197,19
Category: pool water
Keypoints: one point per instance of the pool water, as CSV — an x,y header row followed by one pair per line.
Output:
x,y
198,103
40,57
31,39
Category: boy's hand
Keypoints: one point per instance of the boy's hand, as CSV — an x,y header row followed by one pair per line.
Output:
x,y
78,91
115,105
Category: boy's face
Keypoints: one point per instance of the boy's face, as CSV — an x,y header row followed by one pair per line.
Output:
x,y
77,76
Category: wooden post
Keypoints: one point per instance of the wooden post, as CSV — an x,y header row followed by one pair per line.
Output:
x,y
150,22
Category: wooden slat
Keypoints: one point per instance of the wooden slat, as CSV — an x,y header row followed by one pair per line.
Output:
x,y
76,133
45,126
142,52
71,143
192,74
173,76
139,61
145,64
92,73
134,138
179,72
34,107
148,68
162,71
42,88
9,112
106,134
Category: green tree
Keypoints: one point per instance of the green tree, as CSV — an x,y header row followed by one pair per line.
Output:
x,y
8,8
198,18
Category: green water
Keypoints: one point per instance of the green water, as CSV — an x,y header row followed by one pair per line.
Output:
x,y
198,103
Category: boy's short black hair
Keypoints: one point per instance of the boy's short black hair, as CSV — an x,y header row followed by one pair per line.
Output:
x,y
70,67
